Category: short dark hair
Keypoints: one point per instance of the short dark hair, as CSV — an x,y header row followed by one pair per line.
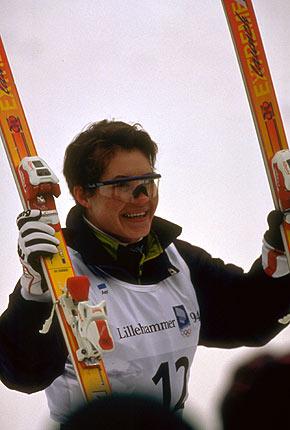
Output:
x,y
126,411
88,155
258,395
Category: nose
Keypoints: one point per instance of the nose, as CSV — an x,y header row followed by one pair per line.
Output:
x,y
141,189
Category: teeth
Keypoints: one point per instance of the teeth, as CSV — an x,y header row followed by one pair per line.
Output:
x,y
135,215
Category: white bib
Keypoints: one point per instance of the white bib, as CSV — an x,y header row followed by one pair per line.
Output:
x,y
155,330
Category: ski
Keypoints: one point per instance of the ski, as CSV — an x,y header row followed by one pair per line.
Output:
x,y
263,103
84,326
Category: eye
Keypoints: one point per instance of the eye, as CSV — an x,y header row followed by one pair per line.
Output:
x,y
149,181
121,185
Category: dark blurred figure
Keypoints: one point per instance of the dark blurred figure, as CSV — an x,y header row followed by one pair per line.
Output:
x,y
125,412
259,396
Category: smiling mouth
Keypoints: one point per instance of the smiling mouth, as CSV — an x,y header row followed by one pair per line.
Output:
x,y
135,215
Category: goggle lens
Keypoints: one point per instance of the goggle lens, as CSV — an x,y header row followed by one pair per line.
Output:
x,y
130,188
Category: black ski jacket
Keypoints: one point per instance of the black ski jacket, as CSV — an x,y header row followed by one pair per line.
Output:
x,y
236,308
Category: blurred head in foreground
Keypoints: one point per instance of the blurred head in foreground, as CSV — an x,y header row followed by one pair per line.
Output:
x,y
259,395
125,412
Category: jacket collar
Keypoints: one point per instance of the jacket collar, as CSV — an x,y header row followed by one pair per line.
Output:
x,y
166,231
127,266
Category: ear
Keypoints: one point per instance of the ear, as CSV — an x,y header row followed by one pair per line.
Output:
x,y
81,196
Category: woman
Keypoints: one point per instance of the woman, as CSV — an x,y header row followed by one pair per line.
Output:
x,y
164,296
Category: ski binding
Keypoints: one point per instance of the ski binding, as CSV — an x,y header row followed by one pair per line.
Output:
x,y
281,170
88,322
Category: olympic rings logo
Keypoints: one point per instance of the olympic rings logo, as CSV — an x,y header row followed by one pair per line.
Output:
x,y
186,332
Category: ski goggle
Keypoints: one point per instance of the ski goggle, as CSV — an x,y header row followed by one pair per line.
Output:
x,y
128,188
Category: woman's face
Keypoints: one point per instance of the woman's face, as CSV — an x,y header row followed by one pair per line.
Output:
x,y
128,222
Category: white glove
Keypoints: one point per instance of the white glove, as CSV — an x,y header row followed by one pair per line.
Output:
x,y
35,239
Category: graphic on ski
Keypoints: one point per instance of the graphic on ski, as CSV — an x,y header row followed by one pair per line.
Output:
x,y
262,99
84,327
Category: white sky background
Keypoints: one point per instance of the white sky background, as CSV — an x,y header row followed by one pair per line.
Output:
x,y
169,65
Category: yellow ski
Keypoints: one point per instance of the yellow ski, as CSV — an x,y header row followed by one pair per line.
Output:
x,y
37,186
262,99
